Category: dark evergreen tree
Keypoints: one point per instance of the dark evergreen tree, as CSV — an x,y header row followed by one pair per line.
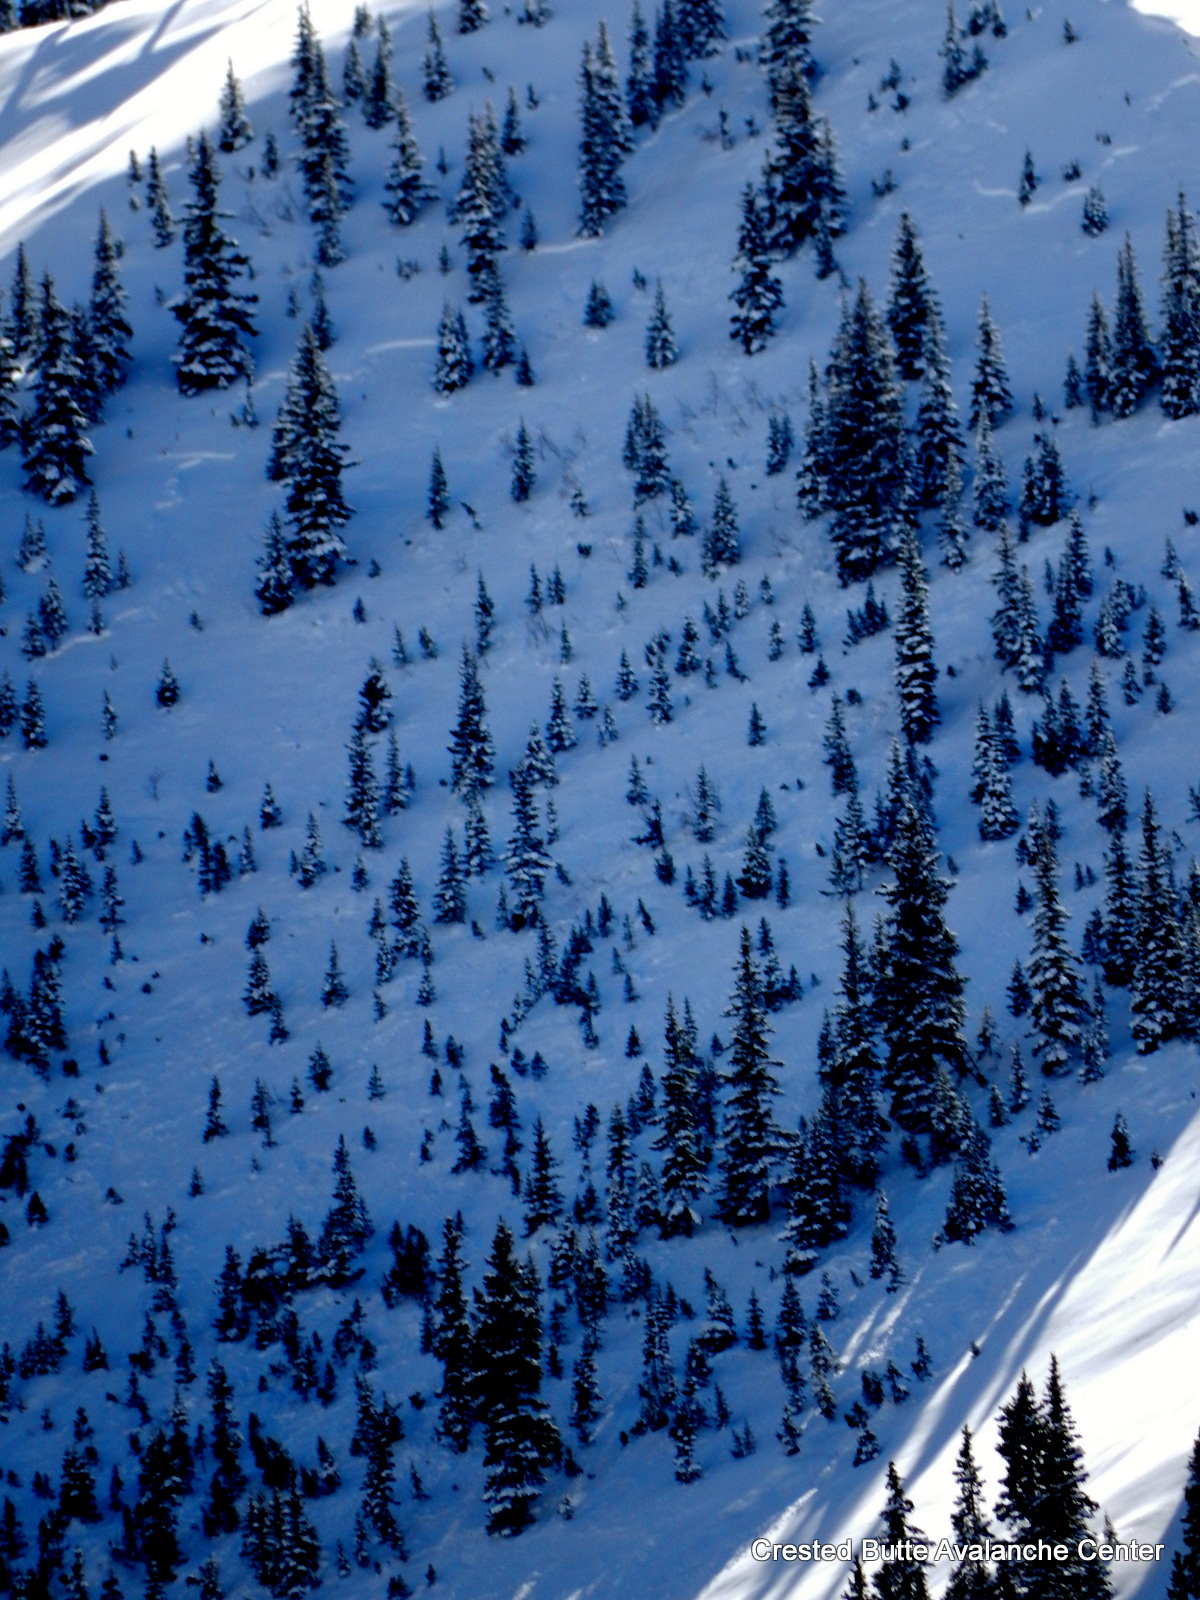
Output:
x,y
669,83
598,312
793,175
972,1578
750,1139
54,432
911,301
379,95
883,1247
640,104
404,187
786,43
722,542
454,364
977,1199
1158,950
701,26
521,1442
436,81
526,861
1095,212
542,1197
1044,495
308,457
1185,1563
903,1576
235,130
864,447
685,1158
604,137
523,475
1059,1008
662,349
923,1013
275,588
758,295
159,203
1180,341
451,1341
939,452
1043,1499
1134,364
990,392
214,311
106,320
916,671
471,750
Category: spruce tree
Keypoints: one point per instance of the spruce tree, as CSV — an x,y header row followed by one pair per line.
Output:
x,y
214,311
758,294
911,301
275,588
786,43
670,65
451,1341
1185,1563
662,350
159,203
1180,340
640,104
1059,1008
1134,365
853,1069
55,439
939,452
405,190
916,671
923,1011
1043,1500
972,1578
454,364
750,1140
108,325
436,80
903,1576
524,476
604,137
793,177
526,860
378,98
1158,951
977,1199
990,392
472,753
722,543
521,1442
309,458
235,130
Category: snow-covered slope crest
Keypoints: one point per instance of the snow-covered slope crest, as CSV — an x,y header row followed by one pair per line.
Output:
x,y
1101,1268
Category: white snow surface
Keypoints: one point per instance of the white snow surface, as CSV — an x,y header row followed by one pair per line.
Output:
x,y
1102,1269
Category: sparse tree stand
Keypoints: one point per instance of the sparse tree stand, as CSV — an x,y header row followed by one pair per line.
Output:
x,y
215,313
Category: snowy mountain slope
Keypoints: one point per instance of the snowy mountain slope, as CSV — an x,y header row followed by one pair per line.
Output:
x,y
1088,1272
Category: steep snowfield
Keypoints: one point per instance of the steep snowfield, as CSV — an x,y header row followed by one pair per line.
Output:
x,y
1102,1269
